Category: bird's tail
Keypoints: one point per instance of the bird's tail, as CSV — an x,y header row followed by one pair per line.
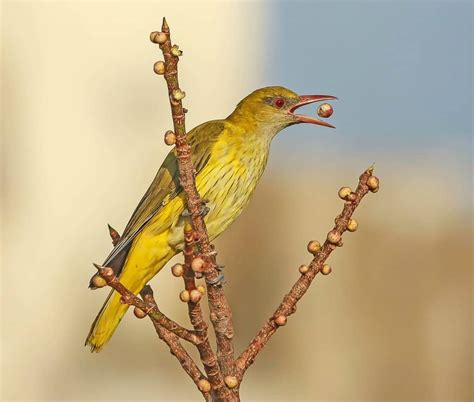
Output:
x,y
106,321
138,269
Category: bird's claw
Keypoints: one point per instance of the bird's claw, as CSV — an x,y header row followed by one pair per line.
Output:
x,y
203,211
220,280
212,253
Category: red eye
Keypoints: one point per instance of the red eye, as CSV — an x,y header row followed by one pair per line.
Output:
x,y
279,102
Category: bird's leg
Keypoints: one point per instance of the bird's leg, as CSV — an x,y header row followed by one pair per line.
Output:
x,y
220,280
204,210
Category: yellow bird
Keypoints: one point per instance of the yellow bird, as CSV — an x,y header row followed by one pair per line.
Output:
x,y
229,156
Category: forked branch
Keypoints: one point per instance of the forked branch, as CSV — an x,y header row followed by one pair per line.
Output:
x,y
177,349
142,308
333,240
222,374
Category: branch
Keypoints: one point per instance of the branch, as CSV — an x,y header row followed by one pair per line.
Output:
x,y
167,336
145,308
192,295
287,307
223,374
221,315
178,350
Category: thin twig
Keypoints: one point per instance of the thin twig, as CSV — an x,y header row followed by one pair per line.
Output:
x,y
152,310
175,346
196,317
170,338
288,305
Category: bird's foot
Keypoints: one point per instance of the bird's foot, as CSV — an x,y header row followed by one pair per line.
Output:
x,y
212,252
220,279
203,210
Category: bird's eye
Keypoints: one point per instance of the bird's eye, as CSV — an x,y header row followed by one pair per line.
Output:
x,y
278,102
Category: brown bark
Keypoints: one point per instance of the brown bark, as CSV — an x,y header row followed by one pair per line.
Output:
x,y
221,314
175,346
207,355
150,309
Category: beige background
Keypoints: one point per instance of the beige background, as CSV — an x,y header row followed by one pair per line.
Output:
x,y
83,117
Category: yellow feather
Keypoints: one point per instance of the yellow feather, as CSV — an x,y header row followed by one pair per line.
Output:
x,y
230,156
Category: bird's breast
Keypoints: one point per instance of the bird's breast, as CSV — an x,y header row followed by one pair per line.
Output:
x,y
228,182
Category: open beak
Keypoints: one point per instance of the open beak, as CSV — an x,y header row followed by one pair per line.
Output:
x,y
306,100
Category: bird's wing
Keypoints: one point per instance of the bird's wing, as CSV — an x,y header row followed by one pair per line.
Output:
x,y
165,187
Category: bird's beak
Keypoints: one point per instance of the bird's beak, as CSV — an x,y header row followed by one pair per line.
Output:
x,y
306,100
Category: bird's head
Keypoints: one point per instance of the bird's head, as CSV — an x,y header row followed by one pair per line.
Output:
x,y
271,109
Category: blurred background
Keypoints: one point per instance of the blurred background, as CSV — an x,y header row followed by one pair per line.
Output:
x,y
83,118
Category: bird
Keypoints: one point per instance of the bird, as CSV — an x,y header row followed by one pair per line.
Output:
x,y
229,157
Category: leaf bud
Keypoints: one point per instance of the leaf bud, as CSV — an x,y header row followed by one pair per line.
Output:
x,y
231,381
334,237
303,269
184,296
197,265
177,270
204,385
326,269
178,94
373,183
201,289
98,281
352,225
159,68
194,295
314,246
344,192
139,313
158,37
175,51
280,320
170,138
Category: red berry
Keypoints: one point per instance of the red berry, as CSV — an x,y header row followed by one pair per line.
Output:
x,y
325,110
